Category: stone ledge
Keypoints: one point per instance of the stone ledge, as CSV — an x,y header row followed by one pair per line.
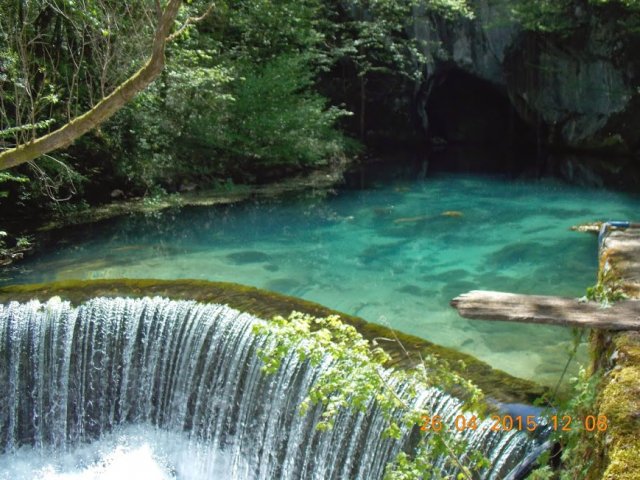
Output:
x,y
618,357
496,384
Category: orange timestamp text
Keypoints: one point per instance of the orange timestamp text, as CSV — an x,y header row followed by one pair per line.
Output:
x,y
506,423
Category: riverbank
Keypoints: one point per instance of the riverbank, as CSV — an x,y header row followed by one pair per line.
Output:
x,y
320,180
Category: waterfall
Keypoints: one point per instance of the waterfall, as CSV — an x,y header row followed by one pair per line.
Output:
x,y
189,374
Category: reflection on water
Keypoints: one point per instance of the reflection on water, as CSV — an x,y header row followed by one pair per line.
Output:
x,y
393,254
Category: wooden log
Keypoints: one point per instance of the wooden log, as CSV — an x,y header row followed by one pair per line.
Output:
x,y
587,227
569,312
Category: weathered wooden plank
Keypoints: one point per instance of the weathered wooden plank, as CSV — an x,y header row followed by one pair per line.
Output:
x,y
587,227
570,312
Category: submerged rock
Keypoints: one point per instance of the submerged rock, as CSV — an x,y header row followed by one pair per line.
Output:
x,y
283,284
419,218
452,213
248,256
515,253
412,290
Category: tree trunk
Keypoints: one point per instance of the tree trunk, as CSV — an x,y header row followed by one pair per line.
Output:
x,y
68,133
363,105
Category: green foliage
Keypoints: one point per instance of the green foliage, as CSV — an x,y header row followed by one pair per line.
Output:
x,y
277,119
563,17
57,58
239,98
546,15
9,254
374,33
260,30
9,177
237,101
160,136
13,131
451,8
630,4
608,290
542,473
370,52
356,374
576,442
421,465
605,293
24,243
223,122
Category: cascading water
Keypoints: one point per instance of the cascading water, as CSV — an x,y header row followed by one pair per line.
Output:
x,y
176,388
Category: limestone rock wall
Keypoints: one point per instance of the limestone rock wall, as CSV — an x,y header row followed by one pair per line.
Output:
x,y
581,91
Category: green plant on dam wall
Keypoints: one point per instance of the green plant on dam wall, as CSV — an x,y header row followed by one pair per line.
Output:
x,y
600,409
578,428
356,374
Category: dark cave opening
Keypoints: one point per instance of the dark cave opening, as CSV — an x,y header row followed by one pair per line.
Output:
x,y
472,126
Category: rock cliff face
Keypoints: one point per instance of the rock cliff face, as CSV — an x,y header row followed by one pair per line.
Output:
x,y
580,91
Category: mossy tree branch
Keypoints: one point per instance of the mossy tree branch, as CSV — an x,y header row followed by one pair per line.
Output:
x,y
103,110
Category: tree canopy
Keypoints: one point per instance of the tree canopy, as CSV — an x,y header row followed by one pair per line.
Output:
x,y
250,91
87,32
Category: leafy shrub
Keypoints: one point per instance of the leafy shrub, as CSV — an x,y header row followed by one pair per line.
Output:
x,y
207,123
356,374
277,119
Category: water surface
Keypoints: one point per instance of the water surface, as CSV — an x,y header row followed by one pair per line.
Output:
x,y
396,254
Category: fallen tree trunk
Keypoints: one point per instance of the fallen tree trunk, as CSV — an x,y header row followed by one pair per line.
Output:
x,y
568,312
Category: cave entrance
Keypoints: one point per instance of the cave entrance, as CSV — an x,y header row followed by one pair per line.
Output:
x,y
477,124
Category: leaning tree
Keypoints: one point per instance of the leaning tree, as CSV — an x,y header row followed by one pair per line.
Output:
x,y
67,66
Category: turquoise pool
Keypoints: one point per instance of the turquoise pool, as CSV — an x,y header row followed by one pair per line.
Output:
x,y
395,253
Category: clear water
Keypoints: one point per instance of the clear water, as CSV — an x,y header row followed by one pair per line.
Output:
x,y
387,254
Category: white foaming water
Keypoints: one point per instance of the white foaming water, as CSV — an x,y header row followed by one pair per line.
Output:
x,y
132,452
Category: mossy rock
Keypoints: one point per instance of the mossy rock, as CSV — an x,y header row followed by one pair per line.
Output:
x,y
620,402
265,304
617,356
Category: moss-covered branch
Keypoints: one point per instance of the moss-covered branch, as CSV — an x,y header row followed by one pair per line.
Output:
x,y
104,109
